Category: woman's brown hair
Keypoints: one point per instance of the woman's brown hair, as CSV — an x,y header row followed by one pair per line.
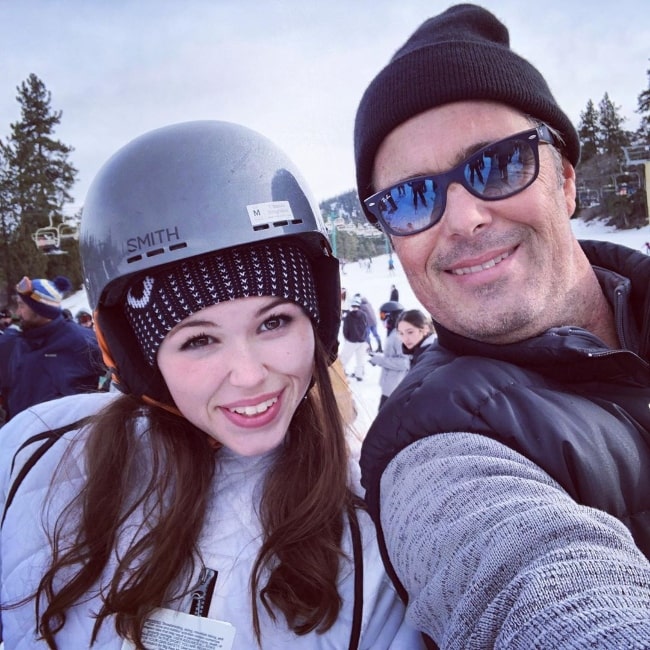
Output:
x,y
145,462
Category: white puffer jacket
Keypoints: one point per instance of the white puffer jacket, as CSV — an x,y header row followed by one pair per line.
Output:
x,y
229,544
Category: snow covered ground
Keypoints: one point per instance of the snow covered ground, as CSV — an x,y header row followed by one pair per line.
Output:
x,y
375,284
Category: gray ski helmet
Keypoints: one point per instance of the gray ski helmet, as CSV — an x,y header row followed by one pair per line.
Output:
x,y
182,191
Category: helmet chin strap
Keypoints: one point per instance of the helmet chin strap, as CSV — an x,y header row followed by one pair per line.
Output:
x,y
214,444
103,347
167,407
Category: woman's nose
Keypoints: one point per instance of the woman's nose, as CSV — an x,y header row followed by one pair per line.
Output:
x,y
247,368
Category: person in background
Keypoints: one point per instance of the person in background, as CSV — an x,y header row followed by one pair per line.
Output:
x,y
9,322
214,496
355,345
371,319
8,328
394,293
84,318
344,302
393,362
50,357
5,319
416,331
507,472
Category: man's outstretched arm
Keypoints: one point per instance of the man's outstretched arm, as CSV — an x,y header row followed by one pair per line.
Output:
x,y
495,554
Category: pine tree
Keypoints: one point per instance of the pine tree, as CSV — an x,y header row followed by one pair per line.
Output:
x,y
588,131
36,178
643,109
8,223
612,136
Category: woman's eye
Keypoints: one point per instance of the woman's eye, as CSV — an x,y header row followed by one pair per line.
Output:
x,y
197,342
275,322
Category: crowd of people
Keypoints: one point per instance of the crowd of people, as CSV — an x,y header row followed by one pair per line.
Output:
x,y
398,351
214,492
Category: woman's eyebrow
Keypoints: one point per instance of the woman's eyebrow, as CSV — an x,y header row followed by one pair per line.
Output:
x,y
204,322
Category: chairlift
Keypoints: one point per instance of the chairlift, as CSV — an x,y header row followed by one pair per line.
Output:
x,y
68,230
48,239
588,198
637,154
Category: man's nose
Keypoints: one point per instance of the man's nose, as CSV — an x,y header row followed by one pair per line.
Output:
x,y
465,214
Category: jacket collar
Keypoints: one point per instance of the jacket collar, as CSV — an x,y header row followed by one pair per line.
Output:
x,y
624,275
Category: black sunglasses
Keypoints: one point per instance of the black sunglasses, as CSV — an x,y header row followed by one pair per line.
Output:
x,y
497,171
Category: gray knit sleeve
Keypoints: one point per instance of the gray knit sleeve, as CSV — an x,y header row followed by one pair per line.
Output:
x,y
495,554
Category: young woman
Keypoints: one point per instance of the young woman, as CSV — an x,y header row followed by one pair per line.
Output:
x,y
214,501
416,331
393,362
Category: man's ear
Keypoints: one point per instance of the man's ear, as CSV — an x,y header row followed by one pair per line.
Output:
x,y
569,185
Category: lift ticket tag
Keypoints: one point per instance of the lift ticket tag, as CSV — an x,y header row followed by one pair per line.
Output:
x,y
166,629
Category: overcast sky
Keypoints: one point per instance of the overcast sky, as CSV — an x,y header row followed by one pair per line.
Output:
x,y
291,69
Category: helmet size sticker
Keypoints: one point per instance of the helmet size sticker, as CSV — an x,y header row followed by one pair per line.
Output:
x,y
266,213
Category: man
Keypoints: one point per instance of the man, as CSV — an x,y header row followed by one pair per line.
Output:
x,y
52,356
354,329
534,403
371,318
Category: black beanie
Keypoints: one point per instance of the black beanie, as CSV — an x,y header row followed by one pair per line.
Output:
x,y
462,54
156,303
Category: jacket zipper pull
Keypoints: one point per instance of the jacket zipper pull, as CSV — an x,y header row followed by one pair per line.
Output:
x,y
202,593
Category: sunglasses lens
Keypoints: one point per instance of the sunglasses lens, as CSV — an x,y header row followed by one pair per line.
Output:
x,y
501,170
410,207
497,171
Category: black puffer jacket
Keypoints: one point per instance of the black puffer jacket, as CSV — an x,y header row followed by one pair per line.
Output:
x,y
573,406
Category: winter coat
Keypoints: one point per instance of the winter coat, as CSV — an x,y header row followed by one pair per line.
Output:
x,y
393,362
229,544
562,407
43,363
354,326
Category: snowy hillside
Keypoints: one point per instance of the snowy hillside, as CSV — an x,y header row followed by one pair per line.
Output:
x,y
375,284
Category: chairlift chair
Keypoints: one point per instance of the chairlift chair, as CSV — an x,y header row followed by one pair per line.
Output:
x,y
48,239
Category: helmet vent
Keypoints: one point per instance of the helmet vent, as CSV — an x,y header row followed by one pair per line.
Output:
x,y
156,251
277,224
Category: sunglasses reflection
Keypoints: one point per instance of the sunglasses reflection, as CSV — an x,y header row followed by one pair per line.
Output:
x,y
495,171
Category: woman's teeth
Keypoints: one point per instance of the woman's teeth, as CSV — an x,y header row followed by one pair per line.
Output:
x,y
255,409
